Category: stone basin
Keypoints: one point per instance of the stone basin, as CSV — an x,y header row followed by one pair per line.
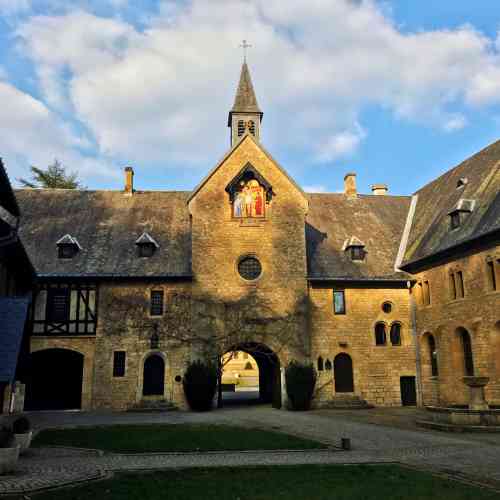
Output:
x,y
476,385
472,381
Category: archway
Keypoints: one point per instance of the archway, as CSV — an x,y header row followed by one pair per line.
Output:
x,y
154,376
343,374
261,364
54,380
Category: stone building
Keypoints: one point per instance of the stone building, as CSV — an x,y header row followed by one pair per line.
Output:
x,y
16,282
393,298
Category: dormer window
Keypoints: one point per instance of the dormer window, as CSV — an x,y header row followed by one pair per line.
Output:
x,y
460,211
356,248
146,245
67,247
462,182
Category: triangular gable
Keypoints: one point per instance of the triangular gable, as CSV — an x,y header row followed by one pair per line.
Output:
x,y
246,136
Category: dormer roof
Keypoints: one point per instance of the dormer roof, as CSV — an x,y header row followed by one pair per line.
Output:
x,y
145,239
353,241
67,239
463,205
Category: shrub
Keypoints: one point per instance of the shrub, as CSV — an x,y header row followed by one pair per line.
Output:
x,y
200,383
300,382
6,438
21,425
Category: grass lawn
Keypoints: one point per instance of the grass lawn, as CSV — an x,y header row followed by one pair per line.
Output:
x,y
309,482
176,437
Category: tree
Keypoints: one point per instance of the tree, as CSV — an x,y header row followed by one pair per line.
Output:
x,y
53,177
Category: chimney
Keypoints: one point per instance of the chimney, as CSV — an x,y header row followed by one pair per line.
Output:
x,y
379,189
129,180
350,184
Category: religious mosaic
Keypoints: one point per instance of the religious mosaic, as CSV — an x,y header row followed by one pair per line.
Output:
x,y
249,200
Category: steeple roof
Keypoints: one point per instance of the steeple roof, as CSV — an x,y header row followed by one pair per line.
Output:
x,y
245,100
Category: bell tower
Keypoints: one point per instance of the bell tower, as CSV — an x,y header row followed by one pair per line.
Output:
x,y
245,115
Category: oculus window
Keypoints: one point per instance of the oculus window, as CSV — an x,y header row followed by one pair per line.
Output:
x,y
249,268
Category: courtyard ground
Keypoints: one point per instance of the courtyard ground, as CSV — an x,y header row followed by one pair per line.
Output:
x,y
377,435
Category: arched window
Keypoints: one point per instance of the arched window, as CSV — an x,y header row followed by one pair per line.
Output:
x,y
380,335
395,334
251,127
433,356
241,127
320,364
467,350
328,365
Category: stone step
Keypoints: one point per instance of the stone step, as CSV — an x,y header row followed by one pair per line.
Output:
x,y
148,406
347,402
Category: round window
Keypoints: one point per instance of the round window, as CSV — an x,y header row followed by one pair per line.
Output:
x,y
387,307
249,268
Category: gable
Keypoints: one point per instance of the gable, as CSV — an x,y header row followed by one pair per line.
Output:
x,y
245,152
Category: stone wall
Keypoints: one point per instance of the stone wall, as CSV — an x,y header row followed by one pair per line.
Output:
x,y
377,368
125,324
478,312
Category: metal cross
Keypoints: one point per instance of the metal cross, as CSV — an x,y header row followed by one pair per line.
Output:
x,y
245,45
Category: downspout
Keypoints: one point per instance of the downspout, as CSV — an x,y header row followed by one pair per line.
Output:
x,y
413,326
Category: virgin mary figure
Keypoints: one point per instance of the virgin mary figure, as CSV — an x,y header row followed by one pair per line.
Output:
x,y
238,205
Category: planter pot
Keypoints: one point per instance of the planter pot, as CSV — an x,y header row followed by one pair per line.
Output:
x,y
23,440
8,459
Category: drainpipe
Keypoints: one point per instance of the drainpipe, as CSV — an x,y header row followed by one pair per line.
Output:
x,y
413,325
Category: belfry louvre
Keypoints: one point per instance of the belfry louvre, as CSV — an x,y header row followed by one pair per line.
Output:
x,y
375,290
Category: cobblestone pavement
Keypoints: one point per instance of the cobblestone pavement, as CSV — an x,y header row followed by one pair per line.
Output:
x,y
373,440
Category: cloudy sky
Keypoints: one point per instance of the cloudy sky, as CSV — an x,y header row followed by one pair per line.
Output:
x,y
398,91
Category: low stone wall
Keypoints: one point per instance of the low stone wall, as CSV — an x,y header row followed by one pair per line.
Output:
x,y
463,416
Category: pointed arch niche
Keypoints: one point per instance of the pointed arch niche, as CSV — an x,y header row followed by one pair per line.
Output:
x,y
249,194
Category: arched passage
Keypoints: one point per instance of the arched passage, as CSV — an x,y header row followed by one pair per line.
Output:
x,y
342,367
54,380
269,375
154,376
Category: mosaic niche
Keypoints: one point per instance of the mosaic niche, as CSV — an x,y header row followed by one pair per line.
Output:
x,y
249,200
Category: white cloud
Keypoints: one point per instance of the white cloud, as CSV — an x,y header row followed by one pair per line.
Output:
x,y
161,95
456,122
30,134
315,188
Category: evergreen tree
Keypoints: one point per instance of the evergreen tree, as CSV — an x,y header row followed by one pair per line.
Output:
x,y
54,176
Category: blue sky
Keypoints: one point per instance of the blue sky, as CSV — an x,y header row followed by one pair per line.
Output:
x,y
396,91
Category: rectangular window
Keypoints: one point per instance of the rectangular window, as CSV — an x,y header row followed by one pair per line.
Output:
x,y
453,288
58,304
460,285
491,275
338,302
156,303
119,363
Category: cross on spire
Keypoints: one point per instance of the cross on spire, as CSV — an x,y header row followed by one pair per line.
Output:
x,y
244,45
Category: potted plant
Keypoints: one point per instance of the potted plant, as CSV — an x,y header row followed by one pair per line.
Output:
x,y
22,433
9,451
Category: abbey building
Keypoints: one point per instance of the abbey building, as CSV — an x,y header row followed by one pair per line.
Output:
x,y
394,299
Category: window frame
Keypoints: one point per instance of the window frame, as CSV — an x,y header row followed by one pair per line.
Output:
x,y
399,333
119,365
152,304
49,306
384,332
431,344
343,310
491,269
455,220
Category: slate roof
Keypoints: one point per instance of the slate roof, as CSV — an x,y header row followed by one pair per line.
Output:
x,y
378,221
13,313
430,232
7,198
107,225
245,100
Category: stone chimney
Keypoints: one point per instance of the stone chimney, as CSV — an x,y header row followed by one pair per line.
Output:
x,y
350,184
129,180
379,189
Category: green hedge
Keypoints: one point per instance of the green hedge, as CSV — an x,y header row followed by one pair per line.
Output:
x,y
300,382
200,383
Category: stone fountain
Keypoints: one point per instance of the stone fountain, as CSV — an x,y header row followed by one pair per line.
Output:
x,y
478,416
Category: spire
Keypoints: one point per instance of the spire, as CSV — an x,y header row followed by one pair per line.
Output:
x,y
245,100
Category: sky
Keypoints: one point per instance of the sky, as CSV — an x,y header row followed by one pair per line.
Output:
x,y
396,91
